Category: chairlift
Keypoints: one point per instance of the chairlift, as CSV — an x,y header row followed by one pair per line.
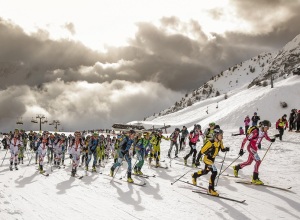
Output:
x,y
34,120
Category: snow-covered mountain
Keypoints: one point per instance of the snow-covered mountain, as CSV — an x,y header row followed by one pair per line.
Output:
x,y
242,77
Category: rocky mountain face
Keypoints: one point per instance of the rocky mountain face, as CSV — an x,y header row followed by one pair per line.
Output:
x,y
258,71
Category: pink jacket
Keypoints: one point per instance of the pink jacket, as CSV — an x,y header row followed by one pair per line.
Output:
x,y
247,121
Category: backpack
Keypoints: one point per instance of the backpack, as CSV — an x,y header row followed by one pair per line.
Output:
x,y
251,129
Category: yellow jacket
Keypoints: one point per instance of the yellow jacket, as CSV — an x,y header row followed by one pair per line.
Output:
x,y
211,150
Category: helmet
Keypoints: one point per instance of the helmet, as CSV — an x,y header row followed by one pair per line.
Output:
x,y
146,134
96,134
197,126
131,132
266,123
284,115
241,127
212,124
217,127
218,131
255,113
177,129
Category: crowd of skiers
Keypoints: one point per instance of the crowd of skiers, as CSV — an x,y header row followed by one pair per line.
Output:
x,y
81,149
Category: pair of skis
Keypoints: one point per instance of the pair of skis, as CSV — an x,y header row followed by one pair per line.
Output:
x,y
247,182
204,191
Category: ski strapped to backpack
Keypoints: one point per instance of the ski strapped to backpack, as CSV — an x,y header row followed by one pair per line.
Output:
x,y
251,129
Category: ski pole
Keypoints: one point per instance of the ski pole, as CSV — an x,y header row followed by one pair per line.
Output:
x,y
4,157
221,168
182,176
266,152
229,165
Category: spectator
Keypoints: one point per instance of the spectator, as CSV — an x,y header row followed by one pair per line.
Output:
x,y
297,120
281,125
255,118
292,118
247,123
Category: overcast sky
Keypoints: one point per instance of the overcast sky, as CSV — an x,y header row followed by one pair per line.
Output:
x,y
93,63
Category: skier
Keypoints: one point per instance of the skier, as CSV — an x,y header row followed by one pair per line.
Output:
x,y
173,138
51,144
184,133
85,151
94,142
210,150
58,147
281,125
155,142
42,151
193,139
15,143
247,123
125,146
140,148
254,138
75,148
101,149
209,132
255,118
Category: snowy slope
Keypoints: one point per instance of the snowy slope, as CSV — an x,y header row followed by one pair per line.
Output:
x,y
24,194
256,71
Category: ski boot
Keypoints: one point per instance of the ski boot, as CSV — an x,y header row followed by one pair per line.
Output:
x,y
11,167
157,164
256,180
111,172
213,192
236,170
129,179
194,179
73,172
140,172
16,168
41,169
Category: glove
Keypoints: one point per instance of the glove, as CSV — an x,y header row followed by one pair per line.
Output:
x,y
273,140
227,149
241,153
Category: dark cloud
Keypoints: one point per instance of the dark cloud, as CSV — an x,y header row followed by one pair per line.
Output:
x,y
275,22
71,28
